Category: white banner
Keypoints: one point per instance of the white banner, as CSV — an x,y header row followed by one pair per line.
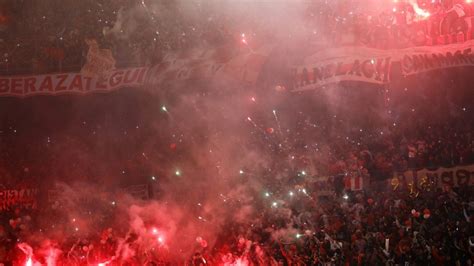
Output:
x,y
377,66
71,83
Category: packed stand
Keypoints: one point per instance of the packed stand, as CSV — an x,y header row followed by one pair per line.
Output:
x,y
372,228
46,38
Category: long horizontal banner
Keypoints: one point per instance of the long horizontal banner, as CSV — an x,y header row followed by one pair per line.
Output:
x,y
454,177
245,67
71,83
377,66
239,67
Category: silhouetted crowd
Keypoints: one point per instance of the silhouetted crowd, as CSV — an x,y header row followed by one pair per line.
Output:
x,y
390,227
45,38
346,130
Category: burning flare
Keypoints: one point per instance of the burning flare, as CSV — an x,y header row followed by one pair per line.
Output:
x,y
28,252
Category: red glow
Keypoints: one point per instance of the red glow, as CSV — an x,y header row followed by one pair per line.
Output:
x,y
28,252
105,262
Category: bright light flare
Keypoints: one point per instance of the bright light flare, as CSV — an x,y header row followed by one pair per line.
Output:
x,y
158,235
105,263
241,262
28,252
243,39
419,11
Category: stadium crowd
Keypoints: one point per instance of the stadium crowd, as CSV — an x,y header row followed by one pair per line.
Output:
x,y
369,132
39,38
432,226
396,227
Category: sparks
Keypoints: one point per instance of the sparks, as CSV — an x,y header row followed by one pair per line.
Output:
x,y
241,172
163,108
178,173
244,41
105,263
28,252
